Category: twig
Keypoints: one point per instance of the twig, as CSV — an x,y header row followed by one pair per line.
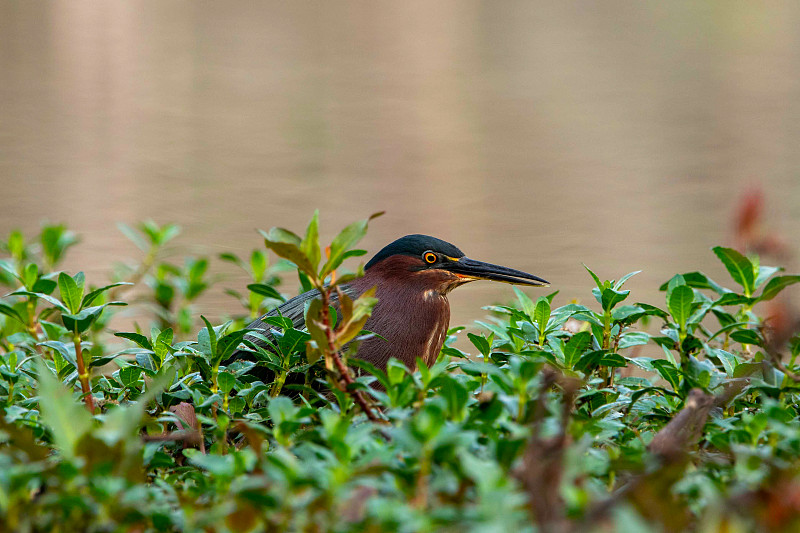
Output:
x,y
83,373
542,464
340,366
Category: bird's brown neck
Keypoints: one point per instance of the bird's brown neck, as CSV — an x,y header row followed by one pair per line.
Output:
x,y
412,314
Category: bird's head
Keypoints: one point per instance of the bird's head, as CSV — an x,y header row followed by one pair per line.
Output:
x,y
436,264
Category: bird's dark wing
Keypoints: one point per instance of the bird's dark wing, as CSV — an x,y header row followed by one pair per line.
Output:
x,y
294,310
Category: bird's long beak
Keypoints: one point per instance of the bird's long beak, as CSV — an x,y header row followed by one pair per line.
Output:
x,y
473,270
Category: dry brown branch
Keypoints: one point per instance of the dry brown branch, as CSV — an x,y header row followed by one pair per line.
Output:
x,y
542,464
684,431
190,433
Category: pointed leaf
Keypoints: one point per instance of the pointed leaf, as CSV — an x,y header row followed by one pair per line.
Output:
x,y
70,292
594,277
226,382
575,348
541,315
680,304
130,375
739,267
138,338
80,322
89,298
776,285
345,240
310,244
611,298
207,340
625,278
764,273
46,297
480,343
11,312
525,302
266,290
290,251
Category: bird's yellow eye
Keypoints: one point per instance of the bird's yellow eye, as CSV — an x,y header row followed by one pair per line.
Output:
x,y
429,257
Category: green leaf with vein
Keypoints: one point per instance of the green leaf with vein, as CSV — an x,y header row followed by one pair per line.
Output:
x,y
739,267
71,293
680,304
776,285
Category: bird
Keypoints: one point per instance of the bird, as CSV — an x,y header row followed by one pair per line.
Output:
x,y
413,276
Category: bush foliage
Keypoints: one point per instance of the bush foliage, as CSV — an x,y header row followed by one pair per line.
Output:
x,y
604,416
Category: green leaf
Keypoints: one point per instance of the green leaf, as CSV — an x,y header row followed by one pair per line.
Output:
x,y
46,286
747,336
588,361
233,258
669,372
133,236
281,409
764,273
633,338
61,307
680,304
676,281
162,345
613,360
258,264
130,375
345,240
55,241
481,343
66,351
80,322
698,280
226,381
310,244
138,338
11,312
266,290
541,315
776,285
731,298
575,348
29,275
287,245
625,278
611,297
207,340
594,277
652,310
525,302
71,294
739,267
227,345
89,298
67,420
292,340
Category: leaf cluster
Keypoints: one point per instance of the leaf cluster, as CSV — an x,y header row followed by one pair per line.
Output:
x,y
611,416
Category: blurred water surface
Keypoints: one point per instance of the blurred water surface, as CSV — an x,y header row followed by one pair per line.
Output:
x,y
538,135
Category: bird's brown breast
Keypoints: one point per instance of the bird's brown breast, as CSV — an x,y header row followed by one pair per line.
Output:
x,y
411,322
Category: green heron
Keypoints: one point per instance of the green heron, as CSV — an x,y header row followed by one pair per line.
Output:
x,y
413,276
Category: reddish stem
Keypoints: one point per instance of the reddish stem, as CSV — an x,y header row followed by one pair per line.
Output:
x,y
340,366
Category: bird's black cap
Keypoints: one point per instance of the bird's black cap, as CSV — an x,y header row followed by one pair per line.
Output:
x,y
415,245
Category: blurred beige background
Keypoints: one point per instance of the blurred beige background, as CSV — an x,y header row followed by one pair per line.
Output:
x,y
534,134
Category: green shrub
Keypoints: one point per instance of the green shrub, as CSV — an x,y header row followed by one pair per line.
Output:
x,y
615,416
